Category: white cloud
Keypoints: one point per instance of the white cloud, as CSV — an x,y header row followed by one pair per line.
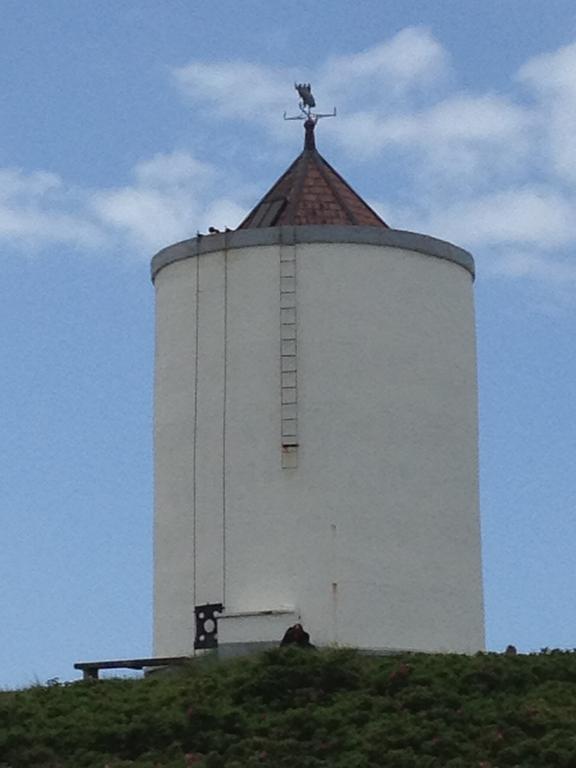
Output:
x,y
538,216
386,96
37,209
412,58
552,76
173,169
235,89
149,217
239,90
173,196
35,228
467,117
15,184
552,73
534,266
222,213
473,169
459,121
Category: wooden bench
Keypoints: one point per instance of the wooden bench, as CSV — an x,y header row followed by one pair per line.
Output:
x,y
91,669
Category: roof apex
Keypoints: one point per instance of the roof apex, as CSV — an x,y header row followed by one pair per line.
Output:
x,y
310,191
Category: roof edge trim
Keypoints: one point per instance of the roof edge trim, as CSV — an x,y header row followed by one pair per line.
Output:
x,y
313,233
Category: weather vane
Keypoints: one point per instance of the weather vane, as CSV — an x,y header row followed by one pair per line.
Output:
x,y
307,103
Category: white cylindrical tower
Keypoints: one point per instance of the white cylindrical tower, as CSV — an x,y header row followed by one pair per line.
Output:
x,y
316,428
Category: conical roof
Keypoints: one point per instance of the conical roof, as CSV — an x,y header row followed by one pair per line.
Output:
x,y
311,192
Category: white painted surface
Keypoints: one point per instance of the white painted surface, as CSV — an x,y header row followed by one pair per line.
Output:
x,y
265,626
374,536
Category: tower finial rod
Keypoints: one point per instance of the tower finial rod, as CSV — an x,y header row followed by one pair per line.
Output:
x,y
309,141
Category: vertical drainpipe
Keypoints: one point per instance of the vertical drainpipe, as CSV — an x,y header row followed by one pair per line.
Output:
x,y
224,416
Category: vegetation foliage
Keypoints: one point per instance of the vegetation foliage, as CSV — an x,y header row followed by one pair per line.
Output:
x,y
291,708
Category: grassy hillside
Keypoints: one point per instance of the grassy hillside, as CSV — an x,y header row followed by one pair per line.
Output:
x,y
306,709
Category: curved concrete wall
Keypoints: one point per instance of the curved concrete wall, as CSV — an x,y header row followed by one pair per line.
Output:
x,y
370,533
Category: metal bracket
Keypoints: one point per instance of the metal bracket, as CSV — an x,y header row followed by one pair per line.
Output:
x,y
207,625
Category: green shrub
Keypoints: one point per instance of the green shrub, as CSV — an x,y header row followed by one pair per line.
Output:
x,y
289,707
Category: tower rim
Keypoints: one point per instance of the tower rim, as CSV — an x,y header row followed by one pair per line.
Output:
x,y
313,233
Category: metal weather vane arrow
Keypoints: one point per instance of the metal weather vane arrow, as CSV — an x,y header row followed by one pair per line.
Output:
x,y
306,104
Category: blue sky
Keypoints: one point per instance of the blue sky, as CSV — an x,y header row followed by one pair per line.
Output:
x,y
127,125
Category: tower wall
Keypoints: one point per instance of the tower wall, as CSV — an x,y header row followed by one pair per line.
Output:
x,y
370,533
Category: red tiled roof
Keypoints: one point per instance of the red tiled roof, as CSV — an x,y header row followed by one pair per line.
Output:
x,y
311,192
